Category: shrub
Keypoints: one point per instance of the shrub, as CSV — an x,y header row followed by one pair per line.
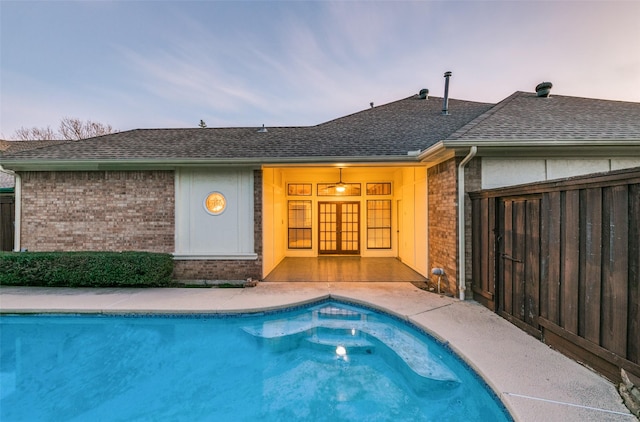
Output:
x,y
85,269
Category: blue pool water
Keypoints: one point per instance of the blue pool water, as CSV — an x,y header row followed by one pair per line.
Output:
x,y
328,361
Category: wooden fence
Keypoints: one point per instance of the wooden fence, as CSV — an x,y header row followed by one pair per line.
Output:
x,y
561,260
7,210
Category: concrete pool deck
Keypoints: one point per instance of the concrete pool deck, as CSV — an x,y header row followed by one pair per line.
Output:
x,y
535,382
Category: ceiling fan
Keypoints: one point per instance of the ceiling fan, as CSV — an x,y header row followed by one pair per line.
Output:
x,y
340,186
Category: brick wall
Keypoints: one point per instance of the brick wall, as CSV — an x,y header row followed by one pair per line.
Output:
x,y
230,269
98,211
443,237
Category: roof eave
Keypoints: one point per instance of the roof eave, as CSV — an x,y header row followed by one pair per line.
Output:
x,y
533,148
168,164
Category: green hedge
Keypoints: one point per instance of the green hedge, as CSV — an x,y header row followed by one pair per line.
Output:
x,y
85,269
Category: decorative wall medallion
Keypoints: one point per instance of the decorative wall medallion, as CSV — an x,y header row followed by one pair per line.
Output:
x,y
215,203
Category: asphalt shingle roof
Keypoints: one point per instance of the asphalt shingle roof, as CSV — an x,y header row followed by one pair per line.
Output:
x,y
524,116
388,130
8,147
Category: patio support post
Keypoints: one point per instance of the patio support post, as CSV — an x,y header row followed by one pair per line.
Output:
x,y
461,232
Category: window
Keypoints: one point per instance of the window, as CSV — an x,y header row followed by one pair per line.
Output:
x,y
329,189
379,188
299,189
299,224
379,224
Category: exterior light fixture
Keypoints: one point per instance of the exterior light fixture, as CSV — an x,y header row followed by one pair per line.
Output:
x,y
341,186
215,203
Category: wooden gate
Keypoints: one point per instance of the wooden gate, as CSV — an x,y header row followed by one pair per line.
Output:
x,y
7,217
561,260
518,261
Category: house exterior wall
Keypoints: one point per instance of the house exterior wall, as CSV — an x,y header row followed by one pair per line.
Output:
x,y
442,222
502,172
235,251
98,211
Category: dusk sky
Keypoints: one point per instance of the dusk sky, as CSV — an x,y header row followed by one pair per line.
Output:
x,y
148,64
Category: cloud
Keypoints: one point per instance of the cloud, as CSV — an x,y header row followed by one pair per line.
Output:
x,y
297,63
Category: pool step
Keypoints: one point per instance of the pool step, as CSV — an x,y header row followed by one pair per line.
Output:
x,y
396,345
326,340
339,313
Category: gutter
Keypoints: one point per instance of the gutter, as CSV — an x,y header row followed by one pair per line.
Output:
x,y
461,232
18,206
165,163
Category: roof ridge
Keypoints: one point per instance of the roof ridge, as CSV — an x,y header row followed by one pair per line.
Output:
x,y
484,116
365,110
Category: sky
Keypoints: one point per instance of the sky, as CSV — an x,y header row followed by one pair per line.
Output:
x,y
161,64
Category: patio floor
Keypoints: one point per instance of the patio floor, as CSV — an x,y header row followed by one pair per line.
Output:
x,y
343,269
535,382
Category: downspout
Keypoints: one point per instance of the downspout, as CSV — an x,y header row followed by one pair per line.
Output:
x,y
461,227
17,192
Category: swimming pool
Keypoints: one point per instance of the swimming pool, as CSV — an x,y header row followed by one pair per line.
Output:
x,y
325,361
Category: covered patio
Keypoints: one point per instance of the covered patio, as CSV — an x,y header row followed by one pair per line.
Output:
x,y
343,269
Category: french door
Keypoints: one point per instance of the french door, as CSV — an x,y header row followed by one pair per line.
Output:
x,y
339,228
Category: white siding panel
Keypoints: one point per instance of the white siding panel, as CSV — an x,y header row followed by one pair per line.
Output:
x,y
558,169
227,234
497,173
624,163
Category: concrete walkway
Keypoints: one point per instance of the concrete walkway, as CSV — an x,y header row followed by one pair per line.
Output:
x,y
535,382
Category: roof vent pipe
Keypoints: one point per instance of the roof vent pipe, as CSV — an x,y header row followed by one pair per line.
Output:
x,y
543,89
445,103
424,94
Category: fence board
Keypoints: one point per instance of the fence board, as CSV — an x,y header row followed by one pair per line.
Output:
x,y
492,249
518,253
554,257
545,223
484,241
507,272
570,241
593,263
615,270
532,263
633,318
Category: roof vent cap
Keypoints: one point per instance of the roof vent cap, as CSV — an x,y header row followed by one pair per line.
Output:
x,y
424,94
263,129
543,89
